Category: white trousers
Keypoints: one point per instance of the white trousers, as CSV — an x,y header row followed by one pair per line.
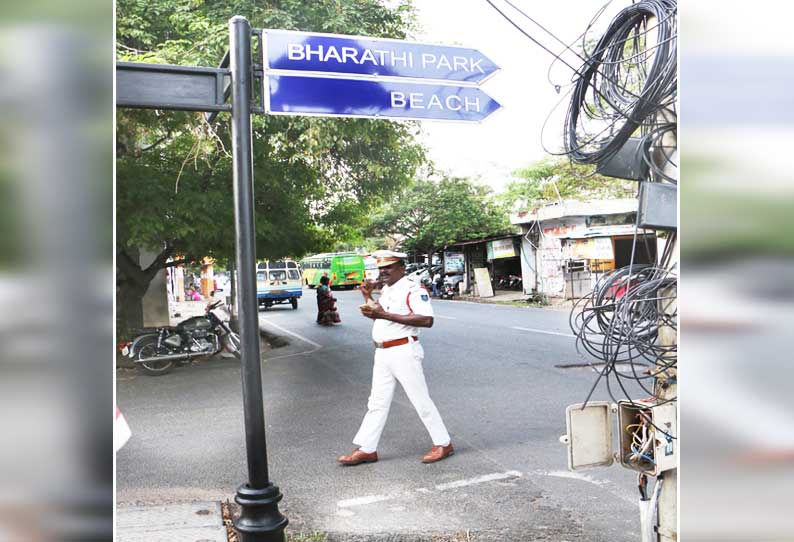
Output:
x,y
401,364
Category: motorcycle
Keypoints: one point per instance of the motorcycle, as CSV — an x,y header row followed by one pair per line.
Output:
x,y
156,351
515,283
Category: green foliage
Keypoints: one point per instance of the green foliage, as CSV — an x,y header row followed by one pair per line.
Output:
x,y
315,179
429,215
550,180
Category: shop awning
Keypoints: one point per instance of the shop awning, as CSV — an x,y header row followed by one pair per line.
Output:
x,y
483,240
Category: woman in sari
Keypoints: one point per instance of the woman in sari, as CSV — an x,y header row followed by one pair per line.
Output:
x,y
326,304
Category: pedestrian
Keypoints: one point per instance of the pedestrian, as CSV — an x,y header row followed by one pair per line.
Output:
x,y
403,307
437,282
327,314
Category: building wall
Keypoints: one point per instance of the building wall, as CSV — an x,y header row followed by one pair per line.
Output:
x,y
529,263
553,250
548,246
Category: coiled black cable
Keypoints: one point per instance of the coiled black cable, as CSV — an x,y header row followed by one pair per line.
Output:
x,y
616,94
620,322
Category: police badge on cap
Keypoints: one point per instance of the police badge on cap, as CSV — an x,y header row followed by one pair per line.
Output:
x,y
385,258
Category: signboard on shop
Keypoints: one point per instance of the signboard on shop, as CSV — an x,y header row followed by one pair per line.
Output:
x,y
453,262
501,248
598,248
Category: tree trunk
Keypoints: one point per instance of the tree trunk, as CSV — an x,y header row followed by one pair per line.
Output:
x,y
132,282
129,303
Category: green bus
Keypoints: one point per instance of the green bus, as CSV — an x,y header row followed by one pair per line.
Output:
x,y
342,268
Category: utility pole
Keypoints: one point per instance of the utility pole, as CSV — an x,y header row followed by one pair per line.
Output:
x,y
665,385
667,388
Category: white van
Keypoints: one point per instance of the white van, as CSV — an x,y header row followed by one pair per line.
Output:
x,y
278,281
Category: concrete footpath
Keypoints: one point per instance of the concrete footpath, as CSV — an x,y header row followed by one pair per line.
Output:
x,y
182,522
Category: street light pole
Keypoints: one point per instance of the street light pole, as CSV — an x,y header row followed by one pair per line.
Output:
x,y
260,519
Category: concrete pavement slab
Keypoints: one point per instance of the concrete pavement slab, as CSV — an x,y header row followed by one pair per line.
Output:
x,y
183,522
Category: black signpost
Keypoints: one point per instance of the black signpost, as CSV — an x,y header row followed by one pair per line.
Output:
x,y
204,89
260,519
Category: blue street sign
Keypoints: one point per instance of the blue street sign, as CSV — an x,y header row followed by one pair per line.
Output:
x,y
334,97
354,55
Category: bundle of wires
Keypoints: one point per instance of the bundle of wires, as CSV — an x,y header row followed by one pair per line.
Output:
x,y
616,94
659,155
619,322
642,440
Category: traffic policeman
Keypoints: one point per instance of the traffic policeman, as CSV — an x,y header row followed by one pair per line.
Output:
x,y
401,310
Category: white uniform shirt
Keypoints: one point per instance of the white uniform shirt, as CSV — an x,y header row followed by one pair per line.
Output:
x,y
404,297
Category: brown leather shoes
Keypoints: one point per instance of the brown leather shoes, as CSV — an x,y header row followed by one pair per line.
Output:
x,y
437,453
357,457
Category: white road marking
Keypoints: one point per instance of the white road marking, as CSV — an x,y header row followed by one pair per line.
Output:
x,y
288,332
446,317
531,330
479,480
575,476
369,499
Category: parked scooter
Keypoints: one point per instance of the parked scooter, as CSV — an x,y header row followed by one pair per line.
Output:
x,y
447,291
450,287
155,351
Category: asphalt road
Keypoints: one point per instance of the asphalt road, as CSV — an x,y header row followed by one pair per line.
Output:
x,y
491,371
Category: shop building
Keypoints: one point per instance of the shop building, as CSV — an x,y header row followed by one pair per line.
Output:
x,y
566,247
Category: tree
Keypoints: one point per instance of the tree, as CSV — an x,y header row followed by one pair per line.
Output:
x,y
315,179
429,215
551,180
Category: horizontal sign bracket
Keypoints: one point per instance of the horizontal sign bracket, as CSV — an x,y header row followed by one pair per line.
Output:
x,y
164,86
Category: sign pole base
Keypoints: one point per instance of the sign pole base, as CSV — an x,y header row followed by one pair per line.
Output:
x,y
260,519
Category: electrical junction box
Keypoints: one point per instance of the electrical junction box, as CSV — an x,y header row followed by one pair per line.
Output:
x,y
646,436
656,427
658,208
589,436
627,163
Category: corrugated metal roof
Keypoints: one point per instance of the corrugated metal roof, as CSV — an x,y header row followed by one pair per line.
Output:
x,y
569,208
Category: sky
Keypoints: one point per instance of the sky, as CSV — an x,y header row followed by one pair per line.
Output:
x,y
510,138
